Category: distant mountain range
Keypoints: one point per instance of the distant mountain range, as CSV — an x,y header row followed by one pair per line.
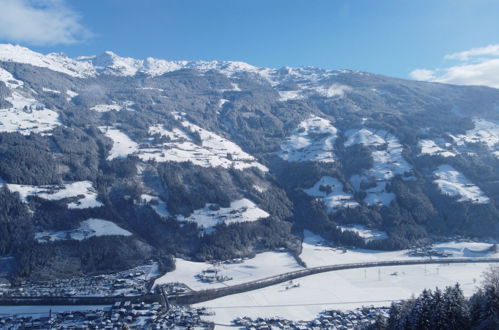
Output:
x,y
106,161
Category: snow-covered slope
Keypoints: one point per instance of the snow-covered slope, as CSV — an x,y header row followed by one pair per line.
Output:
x,y
82,193
453,183
312,140
330,191
388,161
88,228
242,210
211,150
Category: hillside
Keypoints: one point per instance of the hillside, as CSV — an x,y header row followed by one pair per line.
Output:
x,y
107,162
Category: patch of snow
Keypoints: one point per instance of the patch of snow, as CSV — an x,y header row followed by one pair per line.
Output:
x,y
106,107
9,80
334,90
290,95
122,144
48,90
88,228
485,131
312,140
156,204
330,190
242,210
453,183
430,147
27,116
366,233
82,190
386,152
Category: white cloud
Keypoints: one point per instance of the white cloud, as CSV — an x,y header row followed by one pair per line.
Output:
x,y
40,22
490,50
422,74
477,66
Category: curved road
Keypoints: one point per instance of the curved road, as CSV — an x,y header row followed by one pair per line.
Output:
x,y
194,297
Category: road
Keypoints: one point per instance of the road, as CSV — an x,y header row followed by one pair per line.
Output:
x,y
193,297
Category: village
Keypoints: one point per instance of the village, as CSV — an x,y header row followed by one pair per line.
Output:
x,y
122,315
133,282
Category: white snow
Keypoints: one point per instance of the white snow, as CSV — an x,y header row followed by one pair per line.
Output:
x,y
290,95
27,116
386,152
88,228
430,147
262,265
122,144
242,210
71,93
158,205
221,103
343,290
364,232
312,140
55,62
9,80
83,191
485,131
349,289
334,90
48,90
453,183
106,107
335,199
211,151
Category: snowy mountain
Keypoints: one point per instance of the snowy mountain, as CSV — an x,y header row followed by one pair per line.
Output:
x,y
215,159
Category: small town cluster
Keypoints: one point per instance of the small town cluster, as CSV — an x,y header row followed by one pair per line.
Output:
x,y
122,315
355,319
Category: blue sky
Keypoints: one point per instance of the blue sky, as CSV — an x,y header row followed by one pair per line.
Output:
x,y
392,37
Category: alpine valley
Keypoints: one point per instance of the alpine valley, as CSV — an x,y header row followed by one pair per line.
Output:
x,y
108,163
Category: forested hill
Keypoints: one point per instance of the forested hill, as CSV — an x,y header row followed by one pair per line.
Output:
x,y
106,162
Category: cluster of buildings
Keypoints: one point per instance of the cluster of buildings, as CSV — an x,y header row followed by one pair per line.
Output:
x,y
211,275
355,319
122,315
133,282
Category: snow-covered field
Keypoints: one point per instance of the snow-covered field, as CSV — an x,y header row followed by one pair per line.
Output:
x,y
27,116
346,289
122,144
485,131
349,289
430,147
88,228
211,150
242,210
386,152
330,190
83,191
316,252
262,265
312,140
453,183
